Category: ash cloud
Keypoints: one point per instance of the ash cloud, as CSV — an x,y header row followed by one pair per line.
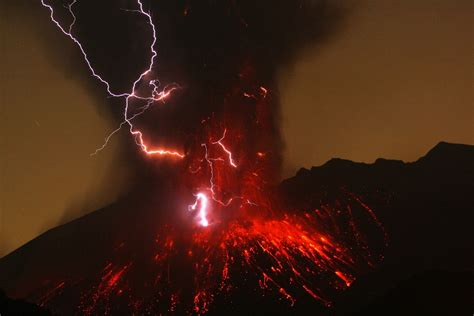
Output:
x,y
203,46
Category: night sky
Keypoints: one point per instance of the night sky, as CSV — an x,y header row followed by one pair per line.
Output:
x,y
394,80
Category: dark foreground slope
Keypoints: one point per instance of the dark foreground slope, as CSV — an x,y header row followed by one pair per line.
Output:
x,y
10,306
425,207
427,268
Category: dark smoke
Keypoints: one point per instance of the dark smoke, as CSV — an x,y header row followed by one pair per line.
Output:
x,y
212,49
203,51
204,45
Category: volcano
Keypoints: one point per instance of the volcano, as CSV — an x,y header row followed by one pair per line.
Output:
x,y
131,258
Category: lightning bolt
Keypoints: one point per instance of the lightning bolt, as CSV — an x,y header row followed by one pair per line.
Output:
x,y
153,97
227,151
201,199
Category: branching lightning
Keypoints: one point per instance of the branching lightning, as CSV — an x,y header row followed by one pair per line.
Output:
x,y
155,95
227,151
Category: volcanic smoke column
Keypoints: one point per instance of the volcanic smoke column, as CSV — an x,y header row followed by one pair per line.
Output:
x,y
228,54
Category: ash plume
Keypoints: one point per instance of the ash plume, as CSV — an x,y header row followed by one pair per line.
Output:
x,y
204,119
216,51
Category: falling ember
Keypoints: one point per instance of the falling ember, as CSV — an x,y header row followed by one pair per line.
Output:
x,y
344,278
244,237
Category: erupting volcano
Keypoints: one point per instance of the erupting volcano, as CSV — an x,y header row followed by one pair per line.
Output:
x,y
221,225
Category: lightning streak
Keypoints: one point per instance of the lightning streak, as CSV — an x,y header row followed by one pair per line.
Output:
x,y
227,151
201,199
202,196
132,95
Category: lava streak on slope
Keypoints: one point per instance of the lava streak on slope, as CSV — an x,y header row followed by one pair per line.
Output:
x,y
240,237
297,258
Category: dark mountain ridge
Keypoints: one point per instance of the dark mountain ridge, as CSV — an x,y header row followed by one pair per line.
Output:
x,y
427,214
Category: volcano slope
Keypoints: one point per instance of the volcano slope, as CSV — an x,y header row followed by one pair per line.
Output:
x,y
89,265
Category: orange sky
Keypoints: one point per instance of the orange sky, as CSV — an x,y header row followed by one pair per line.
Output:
x,y
395,81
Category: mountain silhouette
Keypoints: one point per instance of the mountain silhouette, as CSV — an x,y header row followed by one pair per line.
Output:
x,y
427,216
425,208
18,307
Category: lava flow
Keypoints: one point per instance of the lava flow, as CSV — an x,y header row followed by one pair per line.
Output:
x,y
241,238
